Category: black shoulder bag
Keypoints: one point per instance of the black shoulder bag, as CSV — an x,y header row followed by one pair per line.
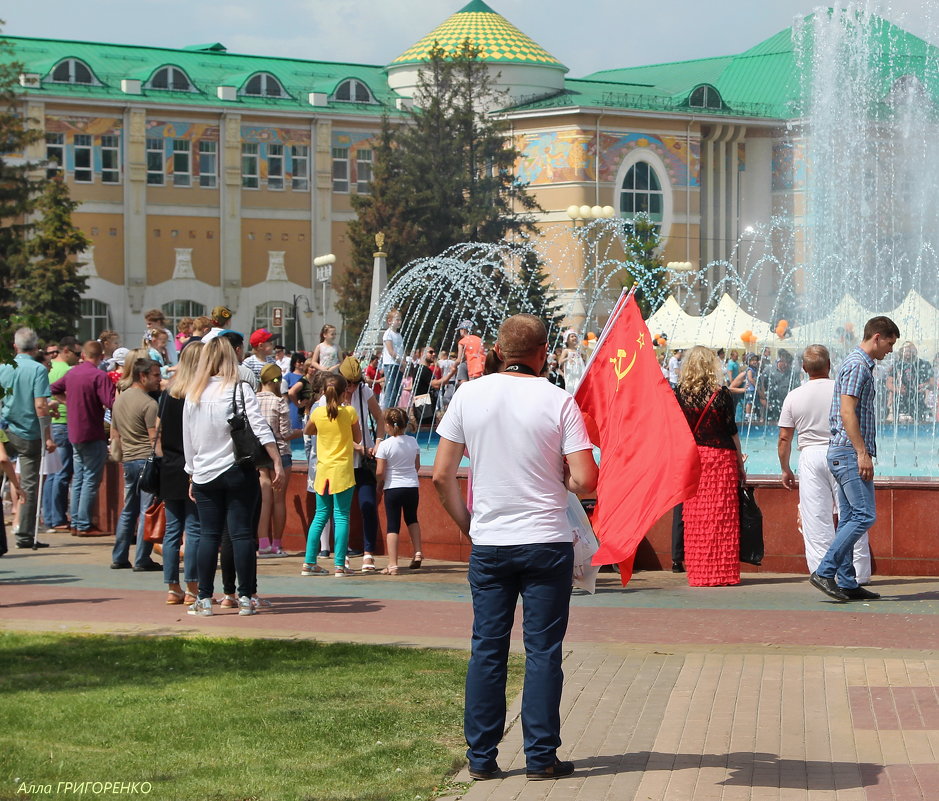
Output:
x,y
247,446
149,478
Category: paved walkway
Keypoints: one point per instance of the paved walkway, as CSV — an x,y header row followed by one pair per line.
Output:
x,y
763,691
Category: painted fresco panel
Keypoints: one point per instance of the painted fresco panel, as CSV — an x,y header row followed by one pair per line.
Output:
x,y
562,156
790,171
70,125
264,136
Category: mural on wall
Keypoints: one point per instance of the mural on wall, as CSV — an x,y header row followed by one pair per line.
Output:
x,y
181,130
275,136
562,156
789,166
355,142
95,126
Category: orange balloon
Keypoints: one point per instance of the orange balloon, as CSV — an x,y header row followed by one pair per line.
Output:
x,y
781,327
747,336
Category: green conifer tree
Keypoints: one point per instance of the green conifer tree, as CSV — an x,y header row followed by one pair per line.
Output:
x,y
49,290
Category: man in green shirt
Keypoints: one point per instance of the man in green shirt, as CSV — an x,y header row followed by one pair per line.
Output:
x,y
55,488
26,416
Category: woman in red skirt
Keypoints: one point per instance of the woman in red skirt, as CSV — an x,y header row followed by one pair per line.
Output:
x,y
712,520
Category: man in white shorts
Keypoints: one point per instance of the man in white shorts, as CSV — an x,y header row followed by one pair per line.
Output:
x,y
805,412
528,446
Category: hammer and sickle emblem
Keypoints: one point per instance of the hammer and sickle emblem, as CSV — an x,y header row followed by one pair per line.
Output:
x,y
618,368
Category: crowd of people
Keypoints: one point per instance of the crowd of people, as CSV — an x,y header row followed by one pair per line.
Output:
x,y
70,407
907,385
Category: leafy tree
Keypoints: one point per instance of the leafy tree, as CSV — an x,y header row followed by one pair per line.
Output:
x,y
18,189
536,296
50,288
443,177
644,263
383,210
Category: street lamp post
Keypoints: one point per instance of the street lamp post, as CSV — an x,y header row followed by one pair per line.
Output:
x,y
583,215
324,273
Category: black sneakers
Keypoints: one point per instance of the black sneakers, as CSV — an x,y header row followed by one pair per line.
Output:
x,y
860,594
556,771
829,587
485,775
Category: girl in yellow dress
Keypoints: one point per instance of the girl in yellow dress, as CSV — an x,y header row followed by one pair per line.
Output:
x,y
338,435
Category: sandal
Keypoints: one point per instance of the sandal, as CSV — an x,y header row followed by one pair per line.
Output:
x,y
391,570
342,572
368,563
175,597
416,560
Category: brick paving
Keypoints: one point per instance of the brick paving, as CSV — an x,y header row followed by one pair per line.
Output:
x,y
763,691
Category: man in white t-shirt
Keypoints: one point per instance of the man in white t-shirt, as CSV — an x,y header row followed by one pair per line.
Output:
x,y
674,367
528,446
805,411
392,357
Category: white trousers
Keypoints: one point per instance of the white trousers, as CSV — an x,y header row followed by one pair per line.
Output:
x,y
818,503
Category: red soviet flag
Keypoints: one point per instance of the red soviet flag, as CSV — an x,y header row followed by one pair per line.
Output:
x,y
648,458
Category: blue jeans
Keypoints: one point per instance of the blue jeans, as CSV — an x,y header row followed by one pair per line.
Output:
x,y
368,506
389,396
336,506
130,523
55,490
89,459
229,500
498,575
856,514
181,515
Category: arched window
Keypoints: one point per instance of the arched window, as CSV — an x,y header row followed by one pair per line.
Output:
x,y
705,96
71,70
353,91
641,191
175,310
96,317
264,85
171,78
277,316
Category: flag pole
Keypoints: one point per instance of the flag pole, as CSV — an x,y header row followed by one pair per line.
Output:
x,y
617,309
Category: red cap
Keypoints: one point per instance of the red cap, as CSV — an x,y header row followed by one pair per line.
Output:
x,y
260,336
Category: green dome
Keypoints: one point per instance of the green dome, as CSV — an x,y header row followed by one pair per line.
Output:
x,y
498,40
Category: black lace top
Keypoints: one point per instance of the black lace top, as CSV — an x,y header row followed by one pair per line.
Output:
x,y
718,427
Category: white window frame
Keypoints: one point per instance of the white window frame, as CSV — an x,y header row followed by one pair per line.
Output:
x,y
363,187
72,64
95,318
655,161
172,77
175,310
341,165
354,85
269,85
250,155
110,150
275,167
182,157
83,144
55,154
208,155
155,149
300,178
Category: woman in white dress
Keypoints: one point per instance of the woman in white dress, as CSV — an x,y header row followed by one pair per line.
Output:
x,y
571,362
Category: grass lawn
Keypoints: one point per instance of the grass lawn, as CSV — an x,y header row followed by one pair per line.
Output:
x,y
229,719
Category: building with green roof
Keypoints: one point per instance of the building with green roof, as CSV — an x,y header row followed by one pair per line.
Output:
x,y
210,177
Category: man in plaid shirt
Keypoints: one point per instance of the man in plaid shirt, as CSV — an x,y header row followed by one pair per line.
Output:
x,y
851,453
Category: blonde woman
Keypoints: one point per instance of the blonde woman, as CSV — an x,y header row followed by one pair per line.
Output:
x,y
181,512
225,492
711,517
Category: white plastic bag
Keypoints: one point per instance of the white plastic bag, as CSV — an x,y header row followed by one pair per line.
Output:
x,y
585,545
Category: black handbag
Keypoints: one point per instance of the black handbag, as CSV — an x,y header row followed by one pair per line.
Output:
x,y
368,464
751,528
149,478
248,448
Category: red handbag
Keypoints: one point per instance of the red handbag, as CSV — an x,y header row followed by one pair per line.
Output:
x,y
154,522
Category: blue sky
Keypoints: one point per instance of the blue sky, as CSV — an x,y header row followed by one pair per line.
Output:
x,y
586,35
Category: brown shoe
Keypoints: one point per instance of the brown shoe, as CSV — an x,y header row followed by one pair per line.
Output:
x,y
91,532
